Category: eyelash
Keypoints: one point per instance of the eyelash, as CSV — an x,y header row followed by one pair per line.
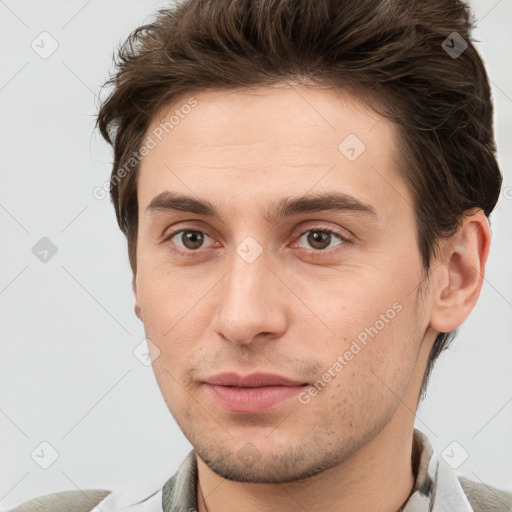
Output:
x,y
298,232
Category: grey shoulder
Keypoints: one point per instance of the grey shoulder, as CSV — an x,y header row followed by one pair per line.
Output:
x,y
76,501
486,498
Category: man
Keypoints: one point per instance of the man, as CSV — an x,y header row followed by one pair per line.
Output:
x,y
305,188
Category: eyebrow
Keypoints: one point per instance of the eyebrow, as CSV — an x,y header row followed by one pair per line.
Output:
x,y
286,207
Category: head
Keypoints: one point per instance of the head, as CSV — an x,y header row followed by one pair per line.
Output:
x,y
305,189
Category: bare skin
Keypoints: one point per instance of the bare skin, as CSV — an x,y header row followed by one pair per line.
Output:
x,y
299,305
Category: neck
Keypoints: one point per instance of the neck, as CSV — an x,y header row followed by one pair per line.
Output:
x,y
379,477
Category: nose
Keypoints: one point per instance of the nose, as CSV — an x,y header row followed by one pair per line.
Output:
x,y
249,303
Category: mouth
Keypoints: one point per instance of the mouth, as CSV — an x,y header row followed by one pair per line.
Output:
x,y
258,392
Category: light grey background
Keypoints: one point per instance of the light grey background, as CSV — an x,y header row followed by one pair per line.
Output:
x,y
68,375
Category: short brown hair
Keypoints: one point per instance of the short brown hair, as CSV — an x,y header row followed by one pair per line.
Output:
x,y
395,54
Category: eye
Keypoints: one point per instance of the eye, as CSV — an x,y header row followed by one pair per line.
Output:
x,y
189,242
190,239
320,239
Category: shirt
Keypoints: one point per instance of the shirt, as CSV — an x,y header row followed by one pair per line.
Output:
x,y
436,488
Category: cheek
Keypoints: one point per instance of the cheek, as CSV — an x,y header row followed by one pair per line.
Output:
x,y
369,375
163,294
375,332
359,301
173,313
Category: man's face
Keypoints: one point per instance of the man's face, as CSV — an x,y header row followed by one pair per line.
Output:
x,y
246,292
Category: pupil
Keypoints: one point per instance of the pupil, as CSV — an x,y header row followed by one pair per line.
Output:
x,y
318,241
192,239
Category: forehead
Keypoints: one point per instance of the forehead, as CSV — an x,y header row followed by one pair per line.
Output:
x,y
264,141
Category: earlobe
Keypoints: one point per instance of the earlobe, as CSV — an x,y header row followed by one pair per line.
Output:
x,y
136,307
462,269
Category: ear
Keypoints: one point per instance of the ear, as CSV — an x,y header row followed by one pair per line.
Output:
x,y
462,266
136,308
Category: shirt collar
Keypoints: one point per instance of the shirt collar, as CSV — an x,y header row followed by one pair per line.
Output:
x,y
436,487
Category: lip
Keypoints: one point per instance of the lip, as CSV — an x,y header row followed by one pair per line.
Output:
x,y
253,380
257,392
